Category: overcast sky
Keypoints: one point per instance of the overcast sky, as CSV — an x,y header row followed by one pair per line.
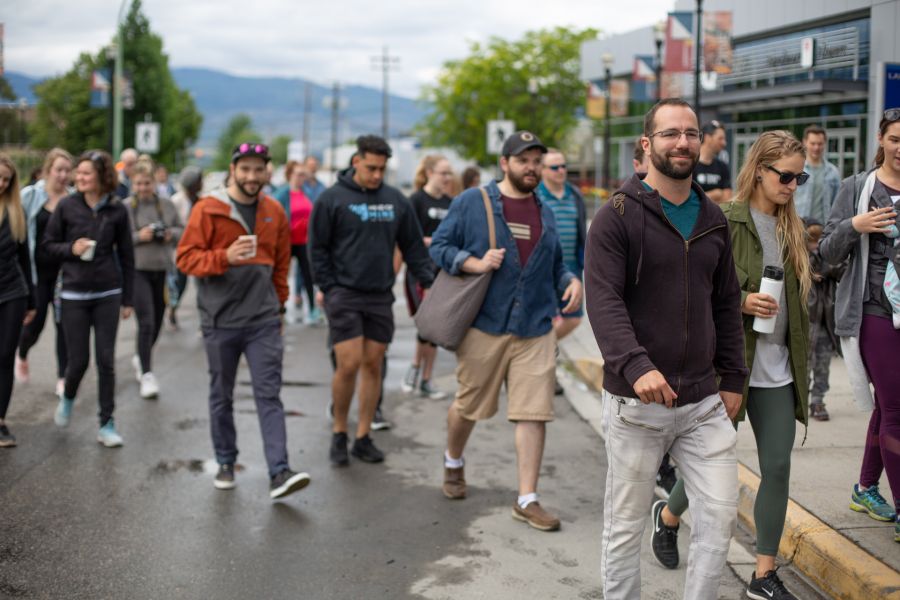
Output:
x,y
320,40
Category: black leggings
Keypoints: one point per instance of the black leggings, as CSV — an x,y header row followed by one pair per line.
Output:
x,y
11,314
78,317
43,292
149,309
299,252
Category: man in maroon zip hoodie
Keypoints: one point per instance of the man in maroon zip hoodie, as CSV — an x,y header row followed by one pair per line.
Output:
x,y
664,303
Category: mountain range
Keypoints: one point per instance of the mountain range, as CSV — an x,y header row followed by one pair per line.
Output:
x,y
276,105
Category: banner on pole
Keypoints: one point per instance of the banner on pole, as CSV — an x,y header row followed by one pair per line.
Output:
x,y
717,49
596,102
618,98
100,88
644,68
679,56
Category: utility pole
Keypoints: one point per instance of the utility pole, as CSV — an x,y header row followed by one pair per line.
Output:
x,y
116,87
307,105
385,62
699,37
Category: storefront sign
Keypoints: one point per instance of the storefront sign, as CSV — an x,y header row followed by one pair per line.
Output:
x,y
891,85
807,52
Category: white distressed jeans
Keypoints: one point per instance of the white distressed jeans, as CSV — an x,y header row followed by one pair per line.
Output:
x,y
701,438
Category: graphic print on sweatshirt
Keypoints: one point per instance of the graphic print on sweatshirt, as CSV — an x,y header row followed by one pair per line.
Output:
x,y
373,213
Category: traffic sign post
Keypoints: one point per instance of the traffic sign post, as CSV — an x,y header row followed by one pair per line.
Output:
x,y
497,132
146,137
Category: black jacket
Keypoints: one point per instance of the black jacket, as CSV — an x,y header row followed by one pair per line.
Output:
x,y
113,264
352,235
15,267
658,301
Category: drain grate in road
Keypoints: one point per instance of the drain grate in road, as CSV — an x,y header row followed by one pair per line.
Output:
x,y
288,383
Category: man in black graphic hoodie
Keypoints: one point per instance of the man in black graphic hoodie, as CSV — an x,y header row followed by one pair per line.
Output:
x,y
355,226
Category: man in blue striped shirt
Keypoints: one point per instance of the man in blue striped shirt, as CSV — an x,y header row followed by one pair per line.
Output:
x,y
568,207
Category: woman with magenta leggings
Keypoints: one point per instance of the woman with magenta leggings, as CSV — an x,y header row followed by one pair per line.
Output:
x,y
864,211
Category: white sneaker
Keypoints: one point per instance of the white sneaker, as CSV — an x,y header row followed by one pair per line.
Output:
x,y
21,370
136,363
149,387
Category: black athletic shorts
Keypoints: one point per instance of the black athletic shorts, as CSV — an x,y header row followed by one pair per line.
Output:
x,y
352,314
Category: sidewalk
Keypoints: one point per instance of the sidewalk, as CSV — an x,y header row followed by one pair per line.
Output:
x,y
846,554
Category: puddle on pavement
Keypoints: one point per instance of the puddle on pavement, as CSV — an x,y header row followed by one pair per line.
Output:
x,y
186,424
211,467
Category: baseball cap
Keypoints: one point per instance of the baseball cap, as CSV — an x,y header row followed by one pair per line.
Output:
x,y
521,141
250,149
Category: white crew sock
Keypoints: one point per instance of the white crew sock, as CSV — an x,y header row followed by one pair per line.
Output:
x,y
527,499
453,463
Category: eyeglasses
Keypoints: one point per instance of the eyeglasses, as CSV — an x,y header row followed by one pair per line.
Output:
x,y
693,136
784,177
892,114
255,148
561,167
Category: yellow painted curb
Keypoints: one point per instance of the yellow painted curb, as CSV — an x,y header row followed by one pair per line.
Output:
x,y
590,370
836,564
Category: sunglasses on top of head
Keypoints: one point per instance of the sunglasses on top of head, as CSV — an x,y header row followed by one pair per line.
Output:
x,y
892,114
784,177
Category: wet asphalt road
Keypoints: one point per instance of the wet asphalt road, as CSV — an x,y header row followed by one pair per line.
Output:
x,y
144,521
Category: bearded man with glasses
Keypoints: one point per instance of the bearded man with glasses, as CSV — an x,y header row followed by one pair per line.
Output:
x,y
664,303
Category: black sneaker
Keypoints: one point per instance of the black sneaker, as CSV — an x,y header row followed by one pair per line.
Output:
x,y
225,478
379,422
769,587
7,440
663,539
338,453
286,483
365,450
666,478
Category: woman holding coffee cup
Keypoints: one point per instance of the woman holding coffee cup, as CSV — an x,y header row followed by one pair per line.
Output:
x,y
769,244
90,232
156,229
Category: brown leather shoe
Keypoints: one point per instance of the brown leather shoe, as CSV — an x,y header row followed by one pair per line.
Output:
x,y
817,411
536,516
454,483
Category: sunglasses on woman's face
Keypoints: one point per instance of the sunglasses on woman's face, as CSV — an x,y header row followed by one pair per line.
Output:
x,y
785,177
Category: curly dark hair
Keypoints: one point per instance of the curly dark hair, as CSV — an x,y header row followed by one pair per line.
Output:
x,y
372,144
106,170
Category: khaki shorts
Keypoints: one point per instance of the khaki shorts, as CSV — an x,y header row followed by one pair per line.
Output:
x,y
526,365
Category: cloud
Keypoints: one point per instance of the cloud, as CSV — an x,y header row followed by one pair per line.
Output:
x,y
319,40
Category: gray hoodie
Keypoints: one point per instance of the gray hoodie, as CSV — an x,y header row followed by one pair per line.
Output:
x,y
155,255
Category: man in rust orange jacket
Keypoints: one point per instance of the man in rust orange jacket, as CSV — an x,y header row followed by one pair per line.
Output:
x,y
237,245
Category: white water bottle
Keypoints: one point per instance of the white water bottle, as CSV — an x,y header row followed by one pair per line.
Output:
x,y
771,284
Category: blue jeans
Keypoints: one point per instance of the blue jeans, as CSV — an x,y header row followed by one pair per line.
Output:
x,y
264,349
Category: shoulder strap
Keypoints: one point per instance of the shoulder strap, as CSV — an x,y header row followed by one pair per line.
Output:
x,y
490,218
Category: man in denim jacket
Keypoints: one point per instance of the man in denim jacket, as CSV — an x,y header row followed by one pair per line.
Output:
x,y
511,339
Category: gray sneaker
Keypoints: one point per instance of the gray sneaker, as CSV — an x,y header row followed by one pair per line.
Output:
x,y
426,390
410,380
7,440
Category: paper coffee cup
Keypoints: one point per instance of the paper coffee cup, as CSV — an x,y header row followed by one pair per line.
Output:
x,y
88,254
252,252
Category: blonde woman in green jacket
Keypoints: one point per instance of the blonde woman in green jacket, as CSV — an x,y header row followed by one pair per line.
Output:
x,y
765,230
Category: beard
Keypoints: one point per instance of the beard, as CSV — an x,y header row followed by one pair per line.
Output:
x,y
518,180
249,189
663,163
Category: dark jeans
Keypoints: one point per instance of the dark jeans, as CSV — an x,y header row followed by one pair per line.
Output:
x,y
11,314
149,309
78,318
264,349
879,344
177,284
303,275
43,292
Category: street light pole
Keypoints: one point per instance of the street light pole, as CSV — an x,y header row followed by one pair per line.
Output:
x,y
607,133
335,106
659,36
699,37
116,85
385,63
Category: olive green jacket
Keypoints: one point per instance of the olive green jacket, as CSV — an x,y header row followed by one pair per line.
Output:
x,y
748,262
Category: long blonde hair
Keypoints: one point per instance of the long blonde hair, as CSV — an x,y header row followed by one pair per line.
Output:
x,y
770,147
11,202
428,163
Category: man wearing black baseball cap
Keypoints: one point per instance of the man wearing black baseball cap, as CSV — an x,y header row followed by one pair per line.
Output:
x,y
237,244
512,339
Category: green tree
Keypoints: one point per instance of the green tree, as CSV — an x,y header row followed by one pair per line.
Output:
x,y
239,130
533,81
65,117
278,149
6,91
